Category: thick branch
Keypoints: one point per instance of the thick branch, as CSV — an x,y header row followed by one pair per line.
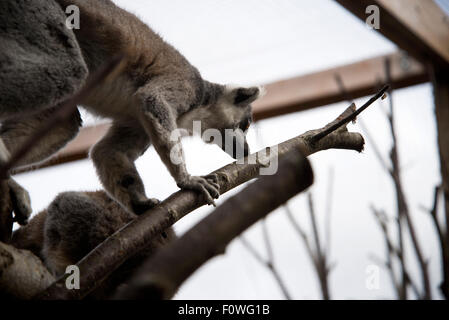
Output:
x,y
161,275
22,274
109,255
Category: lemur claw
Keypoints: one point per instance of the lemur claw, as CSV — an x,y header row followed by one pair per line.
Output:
x,y
205,185
21,202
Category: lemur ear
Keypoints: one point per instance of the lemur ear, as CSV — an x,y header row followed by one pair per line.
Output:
x,y
244,96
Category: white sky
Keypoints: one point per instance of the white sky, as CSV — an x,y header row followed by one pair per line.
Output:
x,y
258,41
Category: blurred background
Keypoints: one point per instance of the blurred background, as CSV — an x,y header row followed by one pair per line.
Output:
x,y
261,42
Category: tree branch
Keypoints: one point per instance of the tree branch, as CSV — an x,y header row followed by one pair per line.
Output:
x,y
126,242
162,274
402,204
442,238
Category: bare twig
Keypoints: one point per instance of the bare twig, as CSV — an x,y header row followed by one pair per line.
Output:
x,y
401,199
301,232
322,267
314,249
126,242
162,274
442,237
393,252
351,117
364,128
327,225
385,264
434,214
269,262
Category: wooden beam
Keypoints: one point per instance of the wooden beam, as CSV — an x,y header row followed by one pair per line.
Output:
x,y
291,95
419,27
320,88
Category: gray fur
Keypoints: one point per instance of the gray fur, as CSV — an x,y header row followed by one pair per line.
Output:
x,y
40,60
73,225
40,65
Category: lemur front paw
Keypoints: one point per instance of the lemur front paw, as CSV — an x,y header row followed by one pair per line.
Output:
x,y
21,202
141,206
207,185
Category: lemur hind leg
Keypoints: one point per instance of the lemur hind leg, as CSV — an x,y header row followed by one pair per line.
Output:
x,y
13,134
114,157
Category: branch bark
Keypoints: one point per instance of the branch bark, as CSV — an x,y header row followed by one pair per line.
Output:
x,y
133,237
161,276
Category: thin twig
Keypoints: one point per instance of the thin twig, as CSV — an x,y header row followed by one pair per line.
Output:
x,y
350,117
442,237
364,128
315,251
403,209
321,267
268,263
327,224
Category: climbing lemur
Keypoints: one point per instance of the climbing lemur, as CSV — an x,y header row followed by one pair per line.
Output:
x,y
155,92
74,224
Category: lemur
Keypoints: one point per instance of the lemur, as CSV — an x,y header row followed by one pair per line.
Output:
x,y
155,92
74,224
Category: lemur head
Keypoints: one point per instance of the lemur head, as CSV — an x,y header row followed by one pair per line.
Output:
x,y
225,116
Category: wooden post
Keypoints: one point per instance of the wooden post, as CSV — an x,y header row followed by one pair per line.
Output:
x,y
440,81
